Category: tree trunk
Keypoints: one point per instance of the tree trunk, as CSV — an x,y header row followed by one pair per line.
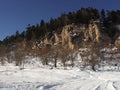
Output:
x,y
55,62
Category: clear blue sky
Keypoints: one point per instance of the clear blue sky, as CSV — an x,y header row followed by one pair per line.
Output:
x,y
17,14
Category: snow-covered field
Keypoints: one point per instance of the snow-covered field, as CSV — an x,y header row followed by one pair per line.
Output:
x,y
44,78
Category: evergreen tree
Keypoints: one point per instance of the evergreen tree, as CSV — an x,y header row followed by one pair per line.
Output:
x,y
102,16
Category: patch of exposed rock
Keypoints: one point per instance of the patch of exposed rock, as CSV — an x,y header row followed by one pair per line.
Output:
x,y
72,34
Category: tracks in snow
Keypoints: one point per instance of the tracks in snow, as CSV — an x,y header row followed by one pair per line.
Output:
x,y
68,85
68,80
79,83
85,85
106,86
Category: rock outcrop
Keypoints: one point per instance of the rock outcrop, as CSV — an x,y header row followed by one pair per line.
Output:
x,y
69,32
93,32
67,38
57,38
46,41
117,42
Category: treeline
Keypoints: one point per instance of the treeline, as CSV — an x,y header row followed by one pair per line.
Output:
x,y
82,16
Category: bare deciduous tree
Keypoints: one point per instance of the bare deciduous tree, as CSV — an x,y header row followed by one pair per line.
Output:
x,y
2,54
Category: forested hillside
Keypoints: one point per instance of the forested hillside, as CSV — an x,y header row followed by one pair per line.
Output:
x,y
82,16
61,37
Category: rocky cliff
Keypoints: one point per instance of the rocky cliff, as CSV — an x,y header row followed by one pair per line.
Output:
x,y
72,34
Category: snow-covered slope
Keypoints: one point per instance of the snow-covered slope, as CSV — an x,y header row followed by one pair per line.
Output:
x,y
44,78
32,75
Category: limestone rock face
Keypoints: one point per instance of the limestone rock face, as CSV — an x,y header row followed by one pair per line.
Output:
x,y
57,38
46,41
117,42
94,32
66,38
70,34
34,45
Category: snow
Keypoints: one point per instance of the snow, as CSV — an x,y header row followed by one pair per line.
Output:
x,y
44,78
32,75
